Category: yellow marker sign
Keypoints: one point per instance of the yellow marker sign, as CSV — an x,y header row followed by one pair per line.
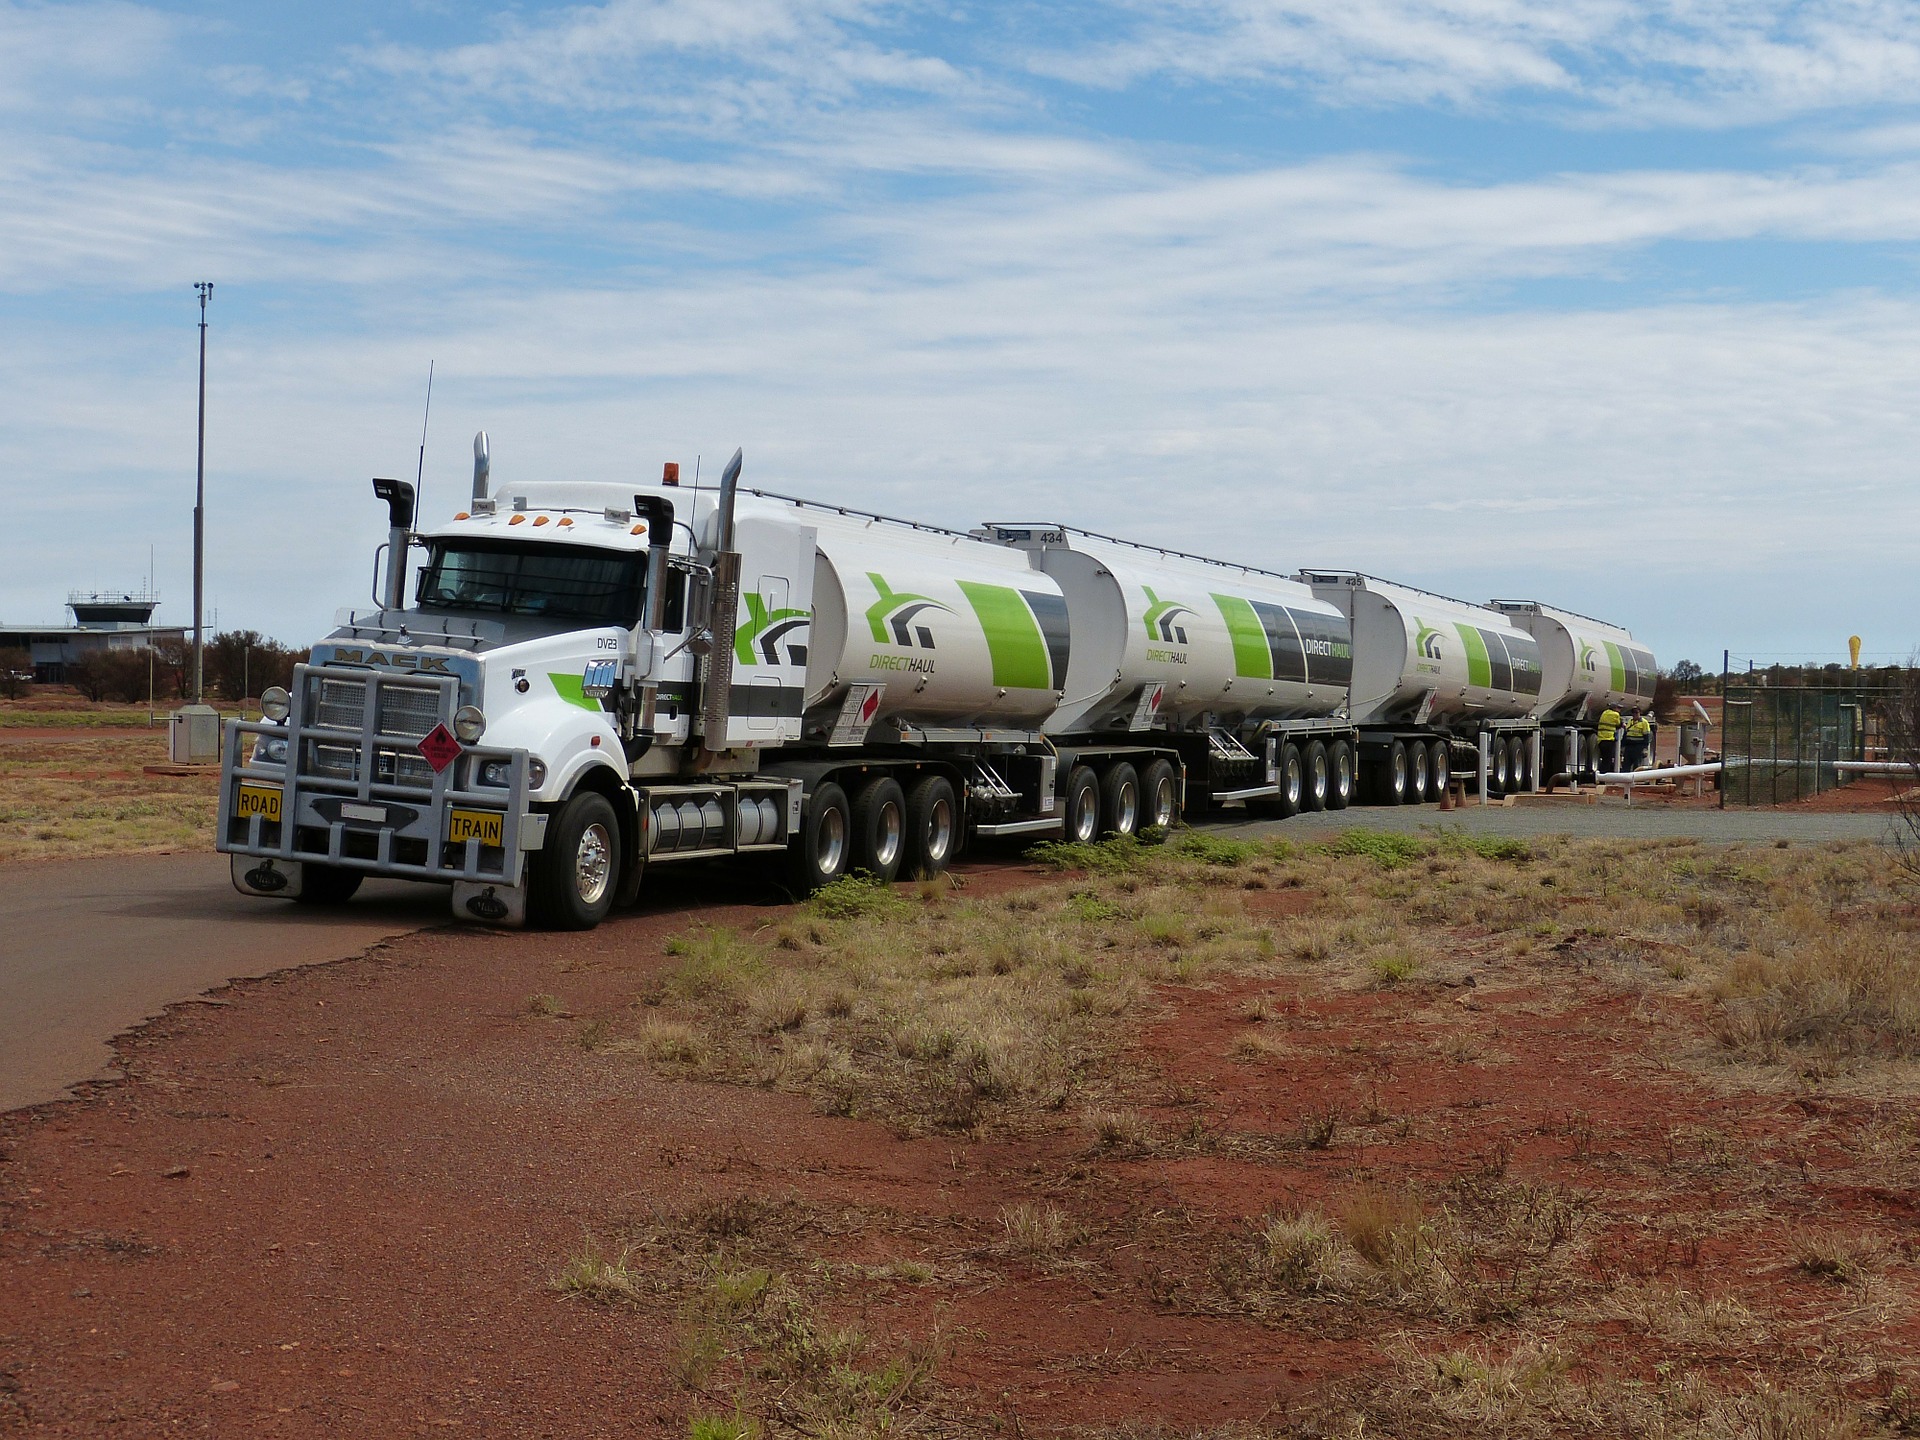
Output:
x,y
1853,650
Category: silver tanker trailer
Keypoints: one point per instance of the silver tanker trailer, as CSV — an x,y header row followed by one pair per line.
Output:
x,y
1241,670
1586,666
1438,684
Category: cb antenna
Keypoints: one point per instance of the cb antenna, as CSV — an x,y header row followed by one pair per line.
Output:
x,y
420,473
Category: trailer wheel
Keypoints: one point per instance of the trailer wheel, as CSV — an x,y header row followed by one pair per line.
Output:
x,y
571,883
1395,780
933,824
1521,767
327,884
1319,780
1160,796
880,828
1416,772
1292,780
1498,763
1340,776
1120,800
1441,769
1083,806
821,850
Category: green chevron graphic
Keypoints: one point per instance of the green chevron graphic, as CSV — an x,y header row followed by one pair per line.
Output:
x,y
893,613
764,627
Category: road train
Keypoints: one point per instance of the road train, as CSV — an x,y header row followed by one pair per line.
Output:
x,y
590,680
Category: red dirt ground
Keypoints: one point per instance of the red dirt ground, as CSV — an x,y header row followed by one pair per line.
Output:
x,y
332,1201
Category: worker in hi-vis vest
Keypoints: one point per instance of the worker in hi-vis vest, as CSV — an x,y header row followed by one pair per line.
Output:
x,y
1638,732
1606,749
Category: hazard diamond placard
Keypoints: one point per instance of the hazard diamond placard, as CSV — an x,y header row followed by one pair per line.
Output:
x,y
440,748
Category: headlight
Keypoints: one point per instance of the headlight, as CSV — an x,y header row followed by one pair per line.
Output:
x,y
275,703
499,773
469,724
271,751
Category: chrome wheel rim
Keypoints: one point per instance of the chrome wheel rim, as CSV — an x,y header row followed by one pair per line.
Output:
x,y
1086,814
939,831
1163,803
886,845
1126,814
593,863
830,845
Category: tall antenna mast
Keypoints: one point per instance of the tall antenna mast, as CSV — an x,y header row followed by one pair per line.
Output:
x,y
420,475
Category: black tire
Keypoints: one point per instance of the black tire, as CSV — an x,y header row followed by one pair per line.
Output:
x,y
823,849
327,884
1082,806
1319,775
1120,800
1340,776
1293,780
1440,769
1159,796
1522,764
880,828
933,827
1501,757
575,875
1394,780
1417,768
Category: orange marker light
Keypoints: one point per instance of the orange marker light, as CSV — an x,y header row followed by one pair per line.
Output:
x,y
565,520
463,515
638,530
539,520
516,519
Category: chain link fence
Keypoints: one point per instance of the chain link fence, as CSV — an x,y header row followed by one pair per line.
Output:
x,y
1782,743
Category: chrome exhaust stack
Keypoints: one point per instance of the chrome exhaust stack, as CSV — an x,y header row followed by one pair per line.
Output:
x,y
723,610
482,466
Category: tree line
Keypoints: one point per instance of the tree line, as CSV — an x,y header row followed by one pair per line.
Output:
x,y
238,665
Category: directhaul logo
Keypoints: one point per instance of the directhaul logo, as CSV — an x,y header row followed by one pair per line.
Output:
x,y
1427,642
1160,618
765,628
895,612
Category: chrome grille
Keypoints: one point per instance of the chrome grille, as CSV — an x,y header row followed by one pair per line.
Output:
x,y
337,762
396,767
338,704
410,710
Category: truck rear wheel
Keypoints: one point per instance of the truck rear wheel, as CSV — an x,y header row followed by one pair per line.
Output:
x,y
933,824
1319,779
1292,782
1340,776
327,884
1522,761
1083,806
1394,781
1416,773
1498,762
1160,795
573,877
822,849
880,828
1120,800
1441,770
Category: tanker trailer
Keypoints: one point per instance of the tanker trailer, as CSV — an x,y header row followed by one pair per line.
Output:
x,y
1240,670
1437,683
1586,665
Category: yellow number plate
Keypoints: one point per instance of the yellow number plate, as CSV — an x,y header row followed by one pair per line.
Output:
x,y
486,826
261,800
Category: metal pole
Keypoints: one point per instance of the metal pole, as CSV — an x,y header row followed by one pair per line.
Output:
x,y
1726,734
205,287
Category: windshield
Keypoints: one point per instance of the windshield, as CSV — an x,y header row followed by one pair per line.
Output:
x,y
558,582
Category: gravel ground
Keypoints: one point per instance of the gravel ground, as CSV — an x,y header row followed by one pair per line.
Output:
x,y
1607,818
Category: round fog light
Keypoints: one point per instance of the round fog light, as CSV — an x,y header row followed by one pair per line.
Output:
x,y
275,703
469,724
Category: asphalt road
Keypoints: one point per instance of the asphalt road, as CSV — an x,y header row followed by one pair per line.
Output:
x,y
90,948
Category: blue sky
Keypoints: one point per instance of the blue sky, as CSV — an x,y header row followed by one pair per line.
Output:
x,y
1608,304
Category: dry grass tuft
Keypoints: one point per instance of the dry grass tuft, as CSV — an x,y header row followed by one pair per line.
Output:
x,y
1038,1231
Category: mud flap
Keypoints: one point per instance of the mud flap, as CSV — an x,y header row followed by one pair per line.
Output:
x,y
278,879
492,904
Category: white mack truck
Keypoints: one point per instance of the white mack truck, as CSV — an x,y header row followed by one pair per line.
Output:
x,y
592,679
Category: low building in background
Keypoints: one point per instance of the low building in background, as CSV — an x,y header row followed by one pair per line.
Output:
x,y
100,621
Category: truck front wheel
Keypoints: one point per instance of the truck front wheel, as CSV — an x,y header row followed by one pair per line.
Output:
x,y
575,874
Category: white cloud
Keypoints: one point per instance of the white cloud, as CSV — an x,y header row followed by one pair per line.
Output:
x,y
48,52
1674,61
